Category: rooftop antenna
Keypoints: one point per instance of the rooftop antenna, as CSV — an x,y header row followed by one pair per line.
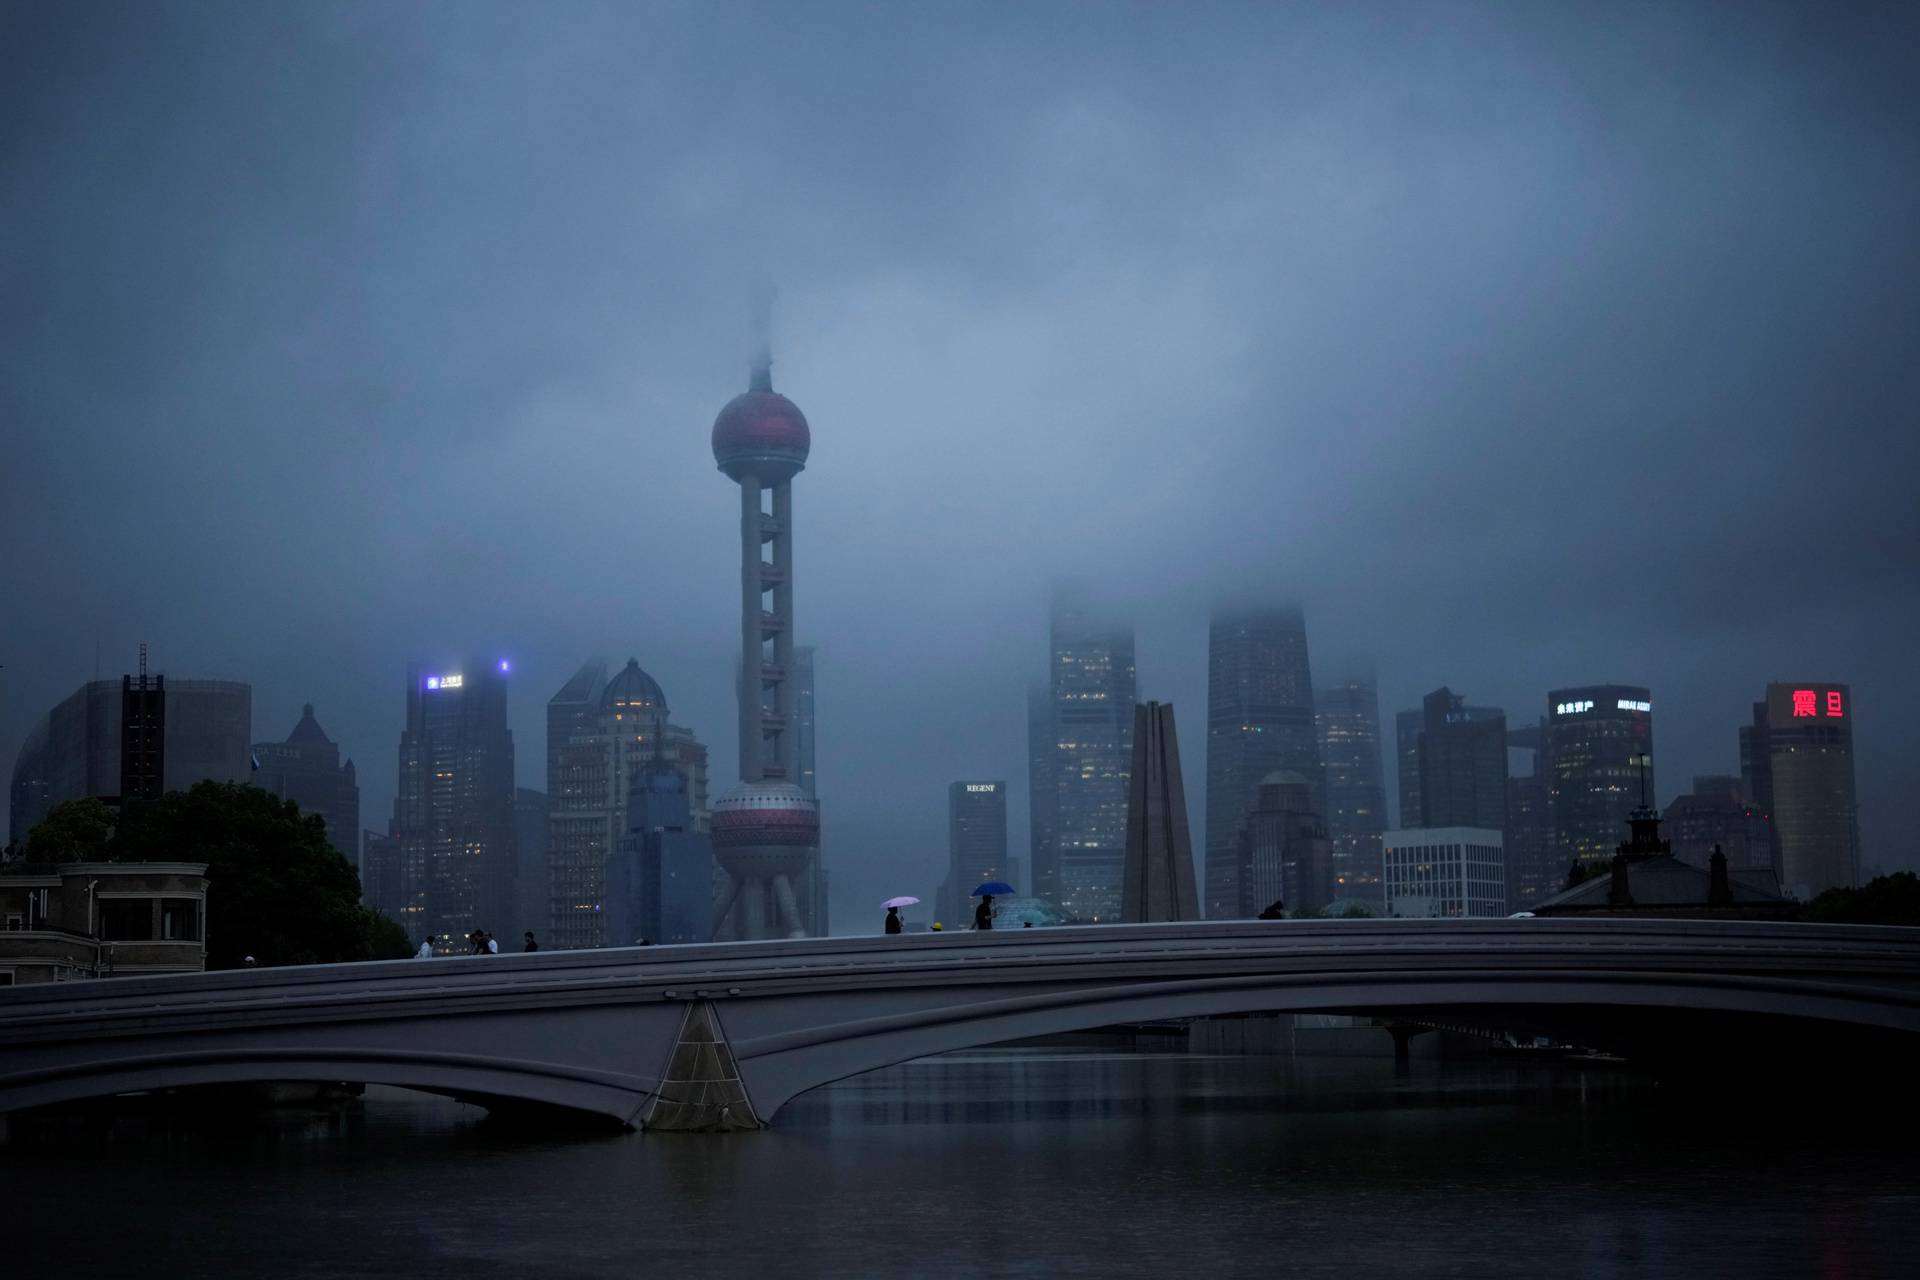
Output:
x,y
760,302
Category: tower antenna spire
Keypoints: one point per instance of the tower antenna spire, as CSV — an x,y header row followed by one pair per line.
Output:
x,y
761,378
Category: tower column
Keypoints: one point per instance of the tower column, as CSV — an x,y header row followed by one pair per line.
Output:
x,y
784,757
752,751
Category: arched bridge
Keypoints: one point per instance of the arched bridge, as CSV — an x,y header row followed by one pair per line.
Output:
x,y
723,1035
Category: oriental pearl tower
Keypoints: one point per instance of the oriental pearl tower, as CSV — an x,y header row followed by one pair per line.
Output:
x,y
766,831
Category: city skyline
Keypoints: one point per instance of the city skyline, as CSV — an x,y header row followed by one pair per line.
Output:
x,y
411,450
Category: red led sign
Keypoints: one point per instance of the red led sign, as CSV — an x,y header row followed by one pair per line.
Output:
x,y
1806,703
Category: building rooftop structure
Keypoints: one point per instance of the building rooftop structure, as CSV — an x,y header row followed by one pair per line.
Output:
x,y
76,920
1645,879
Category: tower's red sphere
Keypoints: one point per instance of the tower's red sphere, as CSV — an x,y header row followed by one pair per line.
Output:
x,y
763,434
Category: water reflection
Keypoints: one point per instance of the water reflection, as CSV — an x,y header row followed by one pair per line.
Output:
x,y
1011,1163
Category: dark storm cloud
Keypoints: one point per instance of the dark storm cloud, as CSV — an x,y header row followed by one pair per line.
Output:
x,y
1524,346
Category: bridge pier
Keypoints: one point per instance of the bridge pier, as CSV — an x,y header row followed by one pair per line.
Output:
x,y
700,1089
1403,1034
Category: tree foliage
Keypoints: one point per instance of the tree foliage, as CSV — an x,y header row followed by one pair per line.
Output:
x,y
1893,899
277,890
73,831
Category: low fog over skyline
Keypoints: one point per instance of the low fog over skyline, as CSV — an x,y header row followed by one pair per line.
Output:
x,y
1523,348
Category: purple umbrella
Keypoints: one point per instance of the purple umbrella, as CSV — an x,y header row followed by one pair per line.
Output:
x,y
900,902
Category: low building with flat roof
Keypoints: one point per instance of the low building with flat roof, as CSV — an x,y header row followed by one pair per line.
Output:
x,y
102,919
1445,871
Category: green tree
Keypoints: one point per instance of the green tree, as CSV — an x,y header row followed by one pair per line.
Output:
x,y
72,831
1893,899
277,890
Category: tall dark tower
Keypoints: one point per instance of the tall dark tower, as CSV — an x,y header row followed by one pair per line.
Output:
x,y
1157,882
766,831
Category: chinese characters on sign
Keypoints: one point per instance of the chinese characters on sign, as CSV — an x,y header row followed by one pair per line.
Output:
x,y
1806,704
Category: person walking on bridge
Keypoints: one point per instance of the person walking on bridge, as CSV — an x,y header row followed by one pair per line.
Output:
x,y
426,949
893,920
531,944
983,914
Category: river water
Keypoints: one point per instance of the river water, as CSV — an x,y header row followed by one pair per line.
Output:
x,y
1015,1162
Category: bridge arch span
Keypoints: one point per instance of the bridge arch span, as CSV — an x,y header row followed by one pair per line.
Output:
x,y
602,1031
1669,1016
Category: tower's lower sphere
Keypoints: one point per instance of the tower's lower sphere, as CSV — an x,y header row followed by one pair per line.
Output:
x,y
765,829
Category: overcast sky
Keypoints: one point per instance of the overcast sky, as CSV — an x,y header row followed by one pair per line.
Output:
x,y
1526,346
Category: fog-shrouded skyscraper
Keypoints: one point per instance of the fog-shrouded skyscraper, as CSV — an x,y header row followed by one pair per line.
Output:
x,y
1463,763
307,769
1043,796
1259,720
76,749
453,813
1599,764
1348,718
606,735
1091,692
1799,750
766,830
976,843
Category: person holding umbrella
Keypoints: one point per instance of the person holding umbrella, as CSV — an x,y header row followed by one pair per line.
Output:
x,y
983,914
893,906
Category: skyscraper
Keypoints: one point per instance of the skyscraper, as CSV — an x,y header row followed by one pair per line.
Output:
x,y
609,748
1092,697
1717,815
1406,758
766,830
532,889
1347,717
976,843
381,883
660,880
811,892
803,717
76,748
1599,761
1158,880
1463,764
1285,855
307,770
1534,873
1259,720
453,812
1801,753
1043,795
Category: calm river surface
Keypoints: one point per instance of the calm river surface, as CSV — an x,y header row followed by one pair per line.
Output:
x,y
1007,1163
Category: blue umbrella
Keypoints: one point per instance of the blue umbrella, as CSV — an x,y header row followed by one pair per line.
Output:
x,y
992,886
